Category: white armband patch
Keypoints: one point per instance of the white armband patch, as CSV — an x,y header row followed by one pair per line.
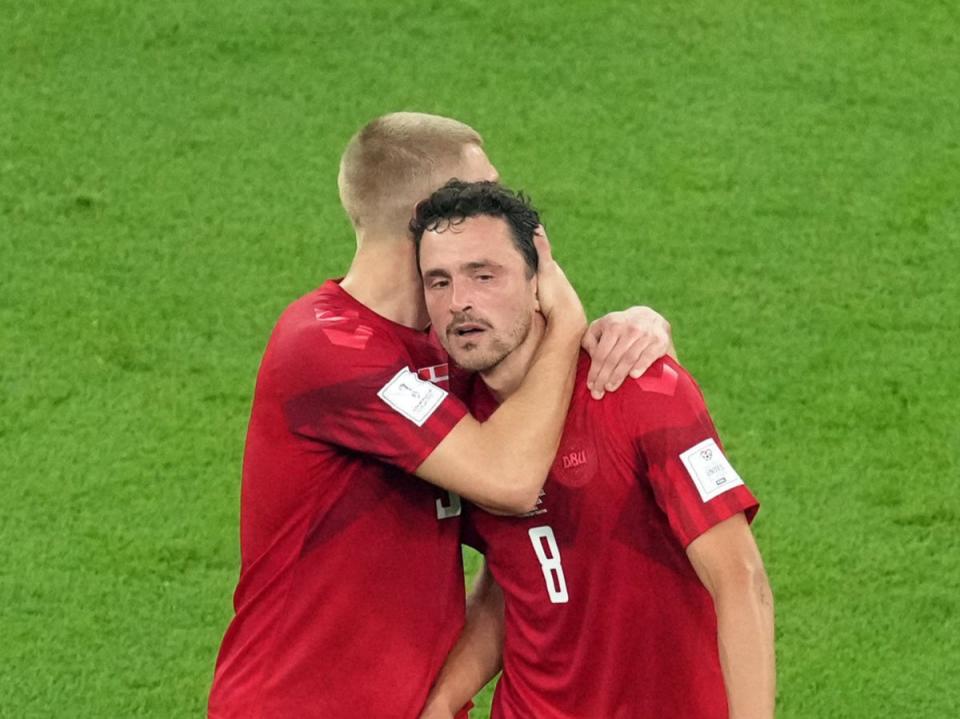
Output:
x,y
411,396
709,469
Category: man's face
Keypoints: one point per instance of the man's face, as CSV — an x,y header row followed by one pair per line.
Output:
x,y
479,297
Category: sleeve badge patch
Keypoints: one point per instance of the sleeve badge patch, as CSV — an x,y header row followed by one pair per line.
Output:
x,y
414,398
709,469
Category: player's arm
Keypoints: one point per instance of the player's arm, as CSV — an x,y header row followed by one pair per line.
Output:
x,y
625,343
502,463
476,657
727,560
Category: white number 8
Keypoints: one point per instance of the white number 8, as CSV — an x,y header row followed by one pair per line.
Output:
x,y
550,563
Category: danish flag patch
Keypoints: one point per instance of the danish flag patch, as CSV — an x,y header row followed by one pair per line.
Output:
x,y
439,374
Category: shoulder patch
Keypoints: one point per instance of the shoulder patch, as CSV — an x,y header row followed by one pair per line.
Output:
x,y
439,374
663,383
709,469
343,330
414,398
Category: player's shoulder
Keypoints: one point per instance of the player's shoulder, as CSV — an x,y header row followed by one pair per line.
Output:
x,y
665,377
329,331
328,316
666,388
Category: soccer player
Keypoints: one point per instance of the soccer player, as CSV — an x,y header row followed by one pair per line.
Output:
x,y
351,588
634,588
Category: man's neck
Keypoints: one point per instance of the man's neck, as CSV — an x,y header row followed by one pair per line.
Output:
x,y
504,379
383,276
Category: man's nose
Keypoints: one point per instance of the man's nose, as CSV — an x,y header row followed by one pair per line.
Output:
x,y
459,298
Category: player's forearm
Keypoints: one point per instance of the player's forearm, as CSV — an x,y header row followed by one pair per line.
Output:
x,y
502,463
526,429
476,657
474,661
745,635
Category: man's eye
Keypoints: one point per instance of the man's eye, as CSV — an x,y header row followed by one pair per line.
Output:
x,y
438,284
484,278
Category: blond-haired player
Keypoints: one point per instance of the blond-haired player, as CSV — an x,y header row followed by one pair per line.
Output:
x,y
351,589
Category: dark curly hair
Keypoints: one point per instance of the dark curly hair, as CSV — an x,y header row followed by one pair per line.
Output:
x,y
456,201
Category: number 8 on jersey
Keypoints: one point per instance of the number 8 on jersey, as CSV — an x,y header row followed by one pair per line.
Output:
x,y
549,558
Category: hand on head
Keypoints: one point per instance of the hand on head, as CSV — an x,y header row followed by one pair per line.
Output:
x,y
558,299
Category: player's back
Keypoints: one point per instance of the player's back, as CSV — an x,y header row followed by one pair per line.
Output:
x,y
350,591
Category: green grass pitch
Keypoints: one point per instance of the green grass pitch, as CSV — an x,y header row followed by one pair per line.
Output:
x,y
779,179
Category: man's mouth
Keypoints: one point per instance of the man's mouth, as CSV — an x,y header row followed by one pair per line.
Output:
x,y
466,329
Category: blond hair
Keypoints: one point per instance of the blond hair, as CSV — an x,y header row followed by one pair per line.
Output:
x,y
397,160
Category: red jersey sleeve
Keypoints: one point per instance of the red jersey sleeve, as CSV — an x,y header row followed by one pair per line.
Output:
x,y
691,478
364,395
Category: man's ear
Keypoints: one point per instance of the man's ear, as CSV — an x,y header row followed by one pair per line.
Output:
x,y
534,289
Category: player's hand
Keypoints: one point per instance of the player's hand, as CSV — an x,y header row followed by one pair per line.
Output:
x,y
558,300
623,343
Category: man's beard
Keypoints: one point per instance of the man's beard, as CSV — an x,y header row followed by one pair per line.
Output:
x,y
470,357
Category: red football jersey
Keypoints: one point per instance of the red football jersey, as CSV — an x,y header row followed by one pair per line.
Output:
x,y
605,616
351,584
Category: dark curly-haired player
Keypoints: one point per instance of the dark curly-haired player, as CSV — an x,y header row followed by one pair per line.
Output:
x,y
634,588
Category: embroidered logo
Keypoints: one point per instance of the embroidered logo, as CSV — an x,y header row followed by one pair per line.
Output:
x,y
574,459
576,462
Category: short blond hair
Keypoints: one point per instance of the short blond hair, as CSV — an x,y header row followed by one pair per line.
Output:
x,y
397,160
